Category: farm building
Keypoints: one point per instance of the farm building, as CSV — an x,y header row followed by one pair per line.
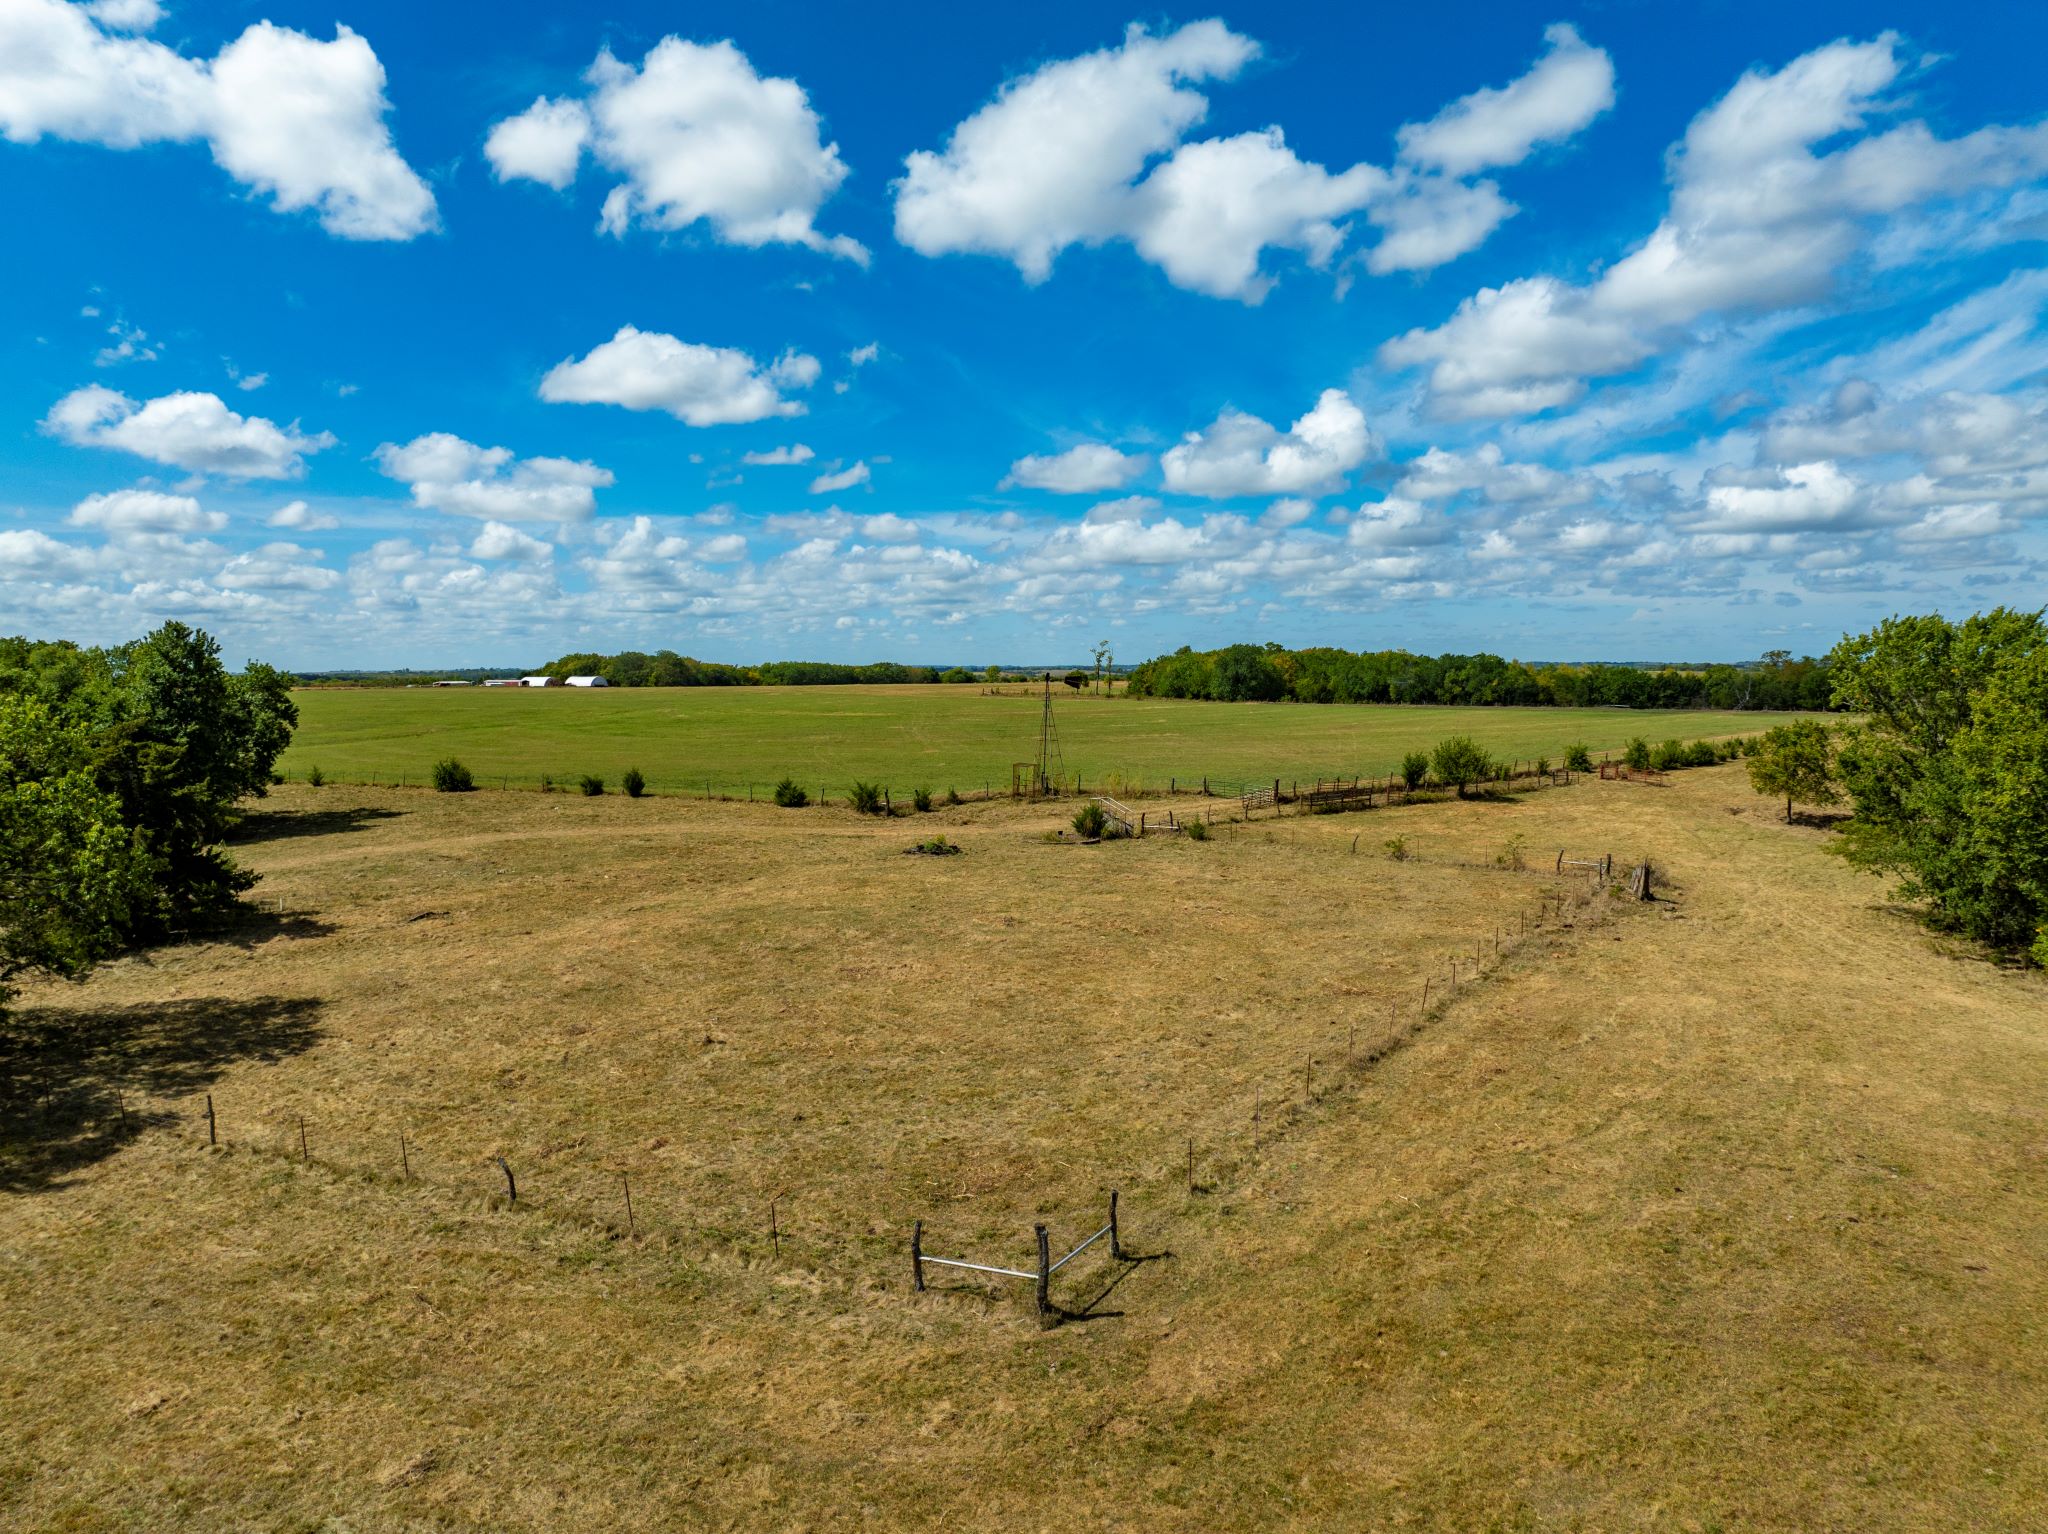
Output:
x,y
502,681
588,681
539,681
451,684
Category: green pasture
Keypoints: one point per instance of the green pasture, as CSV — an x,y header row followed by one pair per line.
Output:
x,y
721,740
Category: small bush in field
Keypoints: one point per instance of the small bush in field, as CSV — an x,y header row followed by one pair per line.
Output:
x,y
921,799
1512,855
1702,753
1668,755
1638,754
547,784
1542,766
315,777
1415,768
1578,759
866,798
1397,848
790,795
1090,821
451,777
953,796
1197,830
591,784
633,783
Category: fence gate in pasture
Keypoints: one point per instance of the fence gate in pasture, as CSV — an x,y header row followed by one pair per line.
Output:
x,y
1040,1276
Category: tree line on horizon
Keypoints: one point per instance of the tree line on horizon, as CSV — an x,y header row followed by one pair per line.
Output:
x,y
1324,674
1270,673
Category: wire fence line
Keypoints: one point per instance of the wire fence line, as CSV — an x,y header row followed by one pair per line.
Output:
x,y
612,1200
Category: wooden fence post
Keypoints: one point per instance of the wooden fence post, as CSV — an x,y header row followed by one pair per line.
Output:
x,y
511,1185
1116,1245
626,1184
304,1154
404,1160
917,1256
212,1137
1044,1278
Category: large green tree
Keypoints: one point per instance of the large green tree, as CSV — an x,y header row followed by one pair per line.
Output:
x,y
71,872
1948,768
176,741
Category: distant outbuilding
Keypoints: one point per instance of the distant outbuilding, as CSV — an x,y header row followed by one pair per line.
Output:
x,y
503,681
587,681
540,681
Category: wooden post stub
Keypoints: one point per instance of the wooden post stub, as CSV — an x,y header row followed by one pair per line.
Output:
x,y
304,1154
1116,1245
404,1160
511,1184
626,1184
212,1135
917,1256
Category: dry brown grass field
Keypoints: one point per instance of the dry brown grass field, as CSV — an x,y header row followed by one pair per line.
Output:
x,y
1718,1213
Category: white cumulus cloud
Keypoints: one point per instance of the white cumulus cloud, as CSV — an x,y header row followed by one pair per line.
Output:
x,y
1761,217
697,136
1569,86
1090,150
447,473
698,385
1241,455
145,511
1085,469
188,430
793,453
845,479
296,119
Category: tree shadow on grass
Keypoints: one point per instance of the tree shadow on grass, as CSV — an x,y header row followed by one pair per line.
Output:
x,y
77,1084
279,825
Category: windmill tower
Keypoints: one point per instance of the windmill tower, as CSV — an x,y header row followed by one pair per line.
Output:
x,y
1051,766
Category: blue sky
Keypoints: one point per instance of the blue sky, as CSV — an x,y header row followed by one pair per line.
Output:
x,y
369,334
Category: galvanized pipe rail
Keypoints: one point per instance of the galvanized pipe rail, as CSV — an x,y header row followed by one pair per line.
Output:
x,y
1042,1274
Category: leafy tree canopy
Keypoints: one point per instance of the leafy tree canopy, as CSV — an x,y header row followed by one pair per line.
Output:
x,y
1948,769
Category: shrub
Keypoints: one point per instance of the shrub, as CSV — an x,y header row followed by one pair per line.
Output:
x,y
921,799
1665,757
1638,754
1415,768
547,784
1198,831
591,784
1578,759
1511,856
1090,821
1397,848
1461,761
953,796
790,795
936,846
1702,753
634,784
315,777
451,777
866,798
1542,766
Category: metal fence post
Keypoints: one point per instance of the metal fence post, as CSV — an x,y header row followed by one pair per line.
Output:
x,y
917,1256
1116,1246
1044,1278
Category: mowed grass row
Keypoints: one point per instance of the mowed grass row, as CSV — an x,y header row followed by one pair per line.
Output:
x,y
721,740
